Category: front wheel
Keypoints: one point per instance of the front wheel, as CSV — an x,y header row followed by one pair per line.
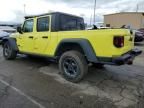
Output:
x,y
73,66
8,51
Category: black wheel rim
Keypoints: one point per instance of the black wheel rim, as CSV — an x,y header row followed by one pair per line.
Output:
x,y
7,50
70,67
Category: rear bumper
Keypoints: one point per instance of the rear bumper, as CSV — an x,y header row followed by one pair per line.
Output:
x,y
127,58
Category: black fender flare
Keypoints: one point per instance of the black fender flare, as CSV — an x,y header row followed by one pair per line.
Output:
x,y
84,44
12,42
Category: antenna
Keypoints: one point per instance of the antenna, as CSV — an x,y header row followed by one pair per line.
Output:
x,y
94,11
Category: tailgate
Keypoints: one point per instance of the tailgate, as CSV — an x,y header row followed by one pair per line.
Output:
x,y
128,41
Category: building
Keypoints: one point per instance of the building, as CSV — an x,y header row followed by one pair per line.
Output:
x,y
117,20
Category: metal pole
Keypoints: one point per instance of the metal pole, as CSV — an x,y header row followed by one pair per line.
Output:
x,y
24,10
94,12
91,20
137,8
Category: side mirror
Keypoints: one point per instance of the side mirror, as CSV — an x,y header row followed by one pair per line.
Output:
x,y
19,29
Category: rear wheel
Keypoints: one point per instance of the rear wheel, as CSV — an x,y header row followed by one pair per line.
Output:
x,y
8,51
73,66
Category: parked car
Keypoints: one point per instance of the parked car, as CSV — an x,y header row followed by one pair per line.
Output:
x,y
3,34
7,29
63,37
141,30
139,36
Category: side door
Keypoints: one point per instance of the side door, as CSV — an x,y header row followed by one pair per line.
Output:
x,y
26,39
42,38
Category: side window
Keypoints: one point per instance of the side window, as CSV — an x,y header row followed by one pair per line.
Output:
x,y
43,24
28,26
68,23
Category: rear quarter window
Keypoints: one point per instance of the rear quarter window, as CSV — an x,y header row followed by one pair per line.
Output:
x,y
70,23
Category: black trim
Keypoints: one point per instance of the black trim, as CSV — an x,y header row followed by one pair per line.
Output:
x,y
52,13
124,59
51,58
105,59
84,44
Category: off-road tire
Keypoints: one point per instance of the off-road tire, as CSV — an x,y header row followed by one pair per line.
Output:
x,y
79,62
8,52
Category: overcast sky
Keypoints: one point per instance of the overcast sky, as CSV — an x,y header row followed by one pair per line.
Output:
x,y
13,10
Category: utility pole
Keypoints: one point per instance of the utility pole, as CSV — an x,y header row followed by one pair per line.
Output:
x,y
137,9
24,9
94,12
91,20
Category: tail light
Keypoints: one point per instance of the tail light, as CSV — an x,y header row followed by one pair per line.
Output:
x,y
118,41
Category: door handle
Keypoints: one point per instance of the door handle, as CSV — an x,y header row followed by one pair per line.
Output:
x,y
31,37
45,37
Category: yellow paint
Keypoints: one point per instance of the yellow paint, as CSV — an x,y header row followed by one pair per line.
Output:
x,y
101,41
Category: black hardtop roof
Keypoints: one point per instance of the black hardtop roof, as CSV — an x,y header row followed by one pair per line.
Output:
x,y
51,13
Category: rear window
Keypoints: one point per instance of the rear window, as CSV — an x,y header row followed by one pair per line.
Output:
x,y
69,23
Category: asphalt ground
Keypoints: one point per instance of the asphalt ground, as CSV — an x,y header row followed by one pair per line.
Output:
x,y
36,83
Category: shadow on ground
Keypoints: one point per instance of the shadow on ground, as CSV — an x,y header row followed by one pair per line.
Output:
x,y
120,86
109,87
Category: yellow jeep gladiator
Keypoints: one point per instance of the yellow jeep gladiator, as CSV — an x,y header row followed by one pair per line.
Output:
x,y
64,38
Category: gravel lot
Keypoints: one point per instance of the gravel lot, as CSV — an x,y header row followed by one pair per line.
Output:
x,y
36,83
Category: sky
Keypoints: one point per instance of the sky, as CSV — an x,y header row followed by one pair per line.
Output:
x,y
13,10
